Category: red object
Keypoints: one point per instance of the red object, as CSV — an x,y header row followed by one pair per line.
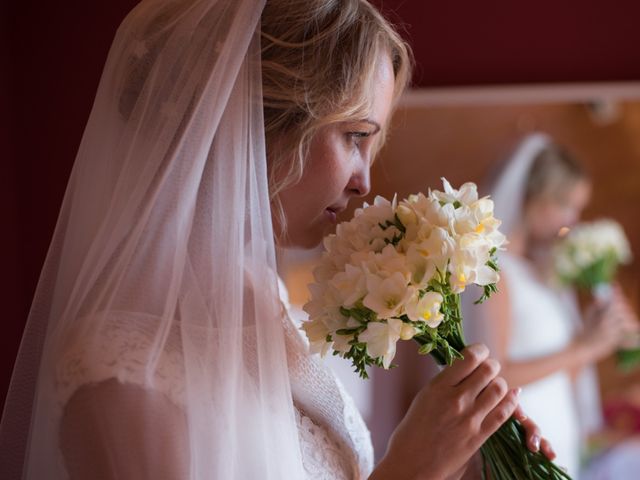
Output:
x,y
622,416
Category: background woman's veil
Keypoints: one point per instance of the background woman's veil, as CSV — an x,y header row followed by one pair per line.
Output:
x,y
508,190
508,194
165,234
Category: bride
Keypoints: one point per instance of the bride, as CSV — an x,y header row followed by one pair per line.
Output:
x,y
156,346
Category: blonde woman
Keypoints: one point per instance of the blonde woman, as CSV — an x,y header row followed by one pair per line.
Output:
x,y
156,346
533,326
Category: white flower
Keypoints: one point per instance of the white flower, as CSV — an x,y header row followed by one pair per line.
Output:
x,y
590,243
341,342
466,195
387,296
407,332
469,263
407,215
426,309
324,300
317,333
426,256
381,339
351,285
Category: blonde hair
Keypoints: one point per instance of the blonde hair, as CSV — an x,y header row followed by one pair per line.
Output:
x,y
319,59
553,169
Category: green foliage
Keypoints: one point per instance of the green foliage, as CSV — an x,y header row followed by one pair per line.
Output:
x,y
398,225
628,359
602,270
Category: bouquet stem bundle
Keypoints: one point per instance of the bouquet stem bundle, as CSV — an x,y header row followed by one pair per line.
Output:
x,y
504,454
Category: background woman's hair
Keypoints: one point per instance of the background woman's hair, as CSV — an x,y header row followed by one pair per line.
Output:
x,y
319,59
553,170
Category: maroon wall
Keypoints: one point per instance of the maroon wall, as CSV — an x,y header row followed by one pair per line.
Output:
x,y
49,77
53,52
502,42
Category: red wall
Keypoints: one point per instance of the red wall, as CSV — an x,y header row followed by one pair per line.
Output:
x,y
56,54
56,51
504,41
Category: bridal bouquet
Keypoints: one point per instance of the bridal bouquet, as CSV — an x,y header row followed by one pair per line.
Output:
x,y
395,272
589,257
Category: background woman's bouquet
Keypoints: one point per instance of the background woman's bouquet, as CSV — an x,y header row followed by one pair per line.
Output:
x,y
396,272
589,258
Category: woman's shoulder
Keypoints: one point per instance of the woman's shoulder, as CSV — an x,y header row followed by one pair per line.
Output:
x,y
123,346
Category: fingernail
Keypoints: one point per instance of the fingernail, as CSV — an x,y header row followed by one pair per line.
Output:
x,y
518,391
536,442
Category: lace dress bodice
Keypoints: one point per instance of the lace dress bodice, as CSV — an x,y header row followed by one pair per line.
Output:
x,y
334,441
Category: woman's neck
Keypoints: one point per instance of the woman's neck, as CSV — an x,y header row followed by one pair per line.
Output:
x,y
522,244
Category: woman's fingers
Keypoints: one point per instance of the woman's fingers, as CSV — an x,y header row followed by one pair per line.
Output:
x,y
545,447
519,414
491,396
474,355
480,378
500,414
533,435
532,431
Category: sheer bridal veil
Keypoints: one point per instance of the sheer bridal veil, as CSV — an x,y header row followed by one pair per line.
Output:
x,y
508,191
164,251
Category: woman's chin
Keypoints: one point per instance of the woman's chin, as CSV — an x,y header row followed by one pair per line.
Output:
x,y
305,240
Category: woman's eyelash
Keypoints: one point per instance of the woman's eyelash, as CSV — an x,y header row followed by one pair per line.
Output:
x,y
359,134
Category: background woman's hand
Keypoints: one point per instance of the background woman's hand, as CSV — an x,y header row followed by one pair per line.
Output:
x,y
449,420
607,324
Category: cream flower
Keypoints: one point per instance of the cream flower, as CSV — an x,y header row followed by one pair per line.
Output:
x,y
317,332
381,339
466,195
407,215
351,285
469,263
407,332
426,309
387,296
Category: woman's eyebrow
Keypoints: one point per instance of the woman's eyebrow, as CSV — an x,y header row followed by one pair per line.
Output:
x,y
375,124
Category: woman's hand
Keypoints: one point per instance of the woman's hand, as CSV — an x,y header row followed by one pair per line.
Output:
x,y
607,323
450,419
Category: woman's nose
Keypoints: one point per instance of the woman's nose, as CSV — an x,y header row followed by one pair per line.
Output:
x,y
360,182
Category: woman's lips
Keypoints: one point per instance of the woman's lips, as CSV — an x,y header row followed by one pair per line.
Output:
x,y
331,215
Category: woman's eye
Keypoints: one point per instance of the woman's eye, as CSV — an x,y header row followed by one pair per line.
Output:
x,y
357,136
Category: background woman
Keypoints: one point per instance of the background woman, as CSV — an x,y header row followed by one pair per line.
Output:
x,y
536,330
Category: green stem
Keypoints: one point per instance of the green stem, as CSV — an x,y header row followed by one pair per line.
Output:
x,y
505,455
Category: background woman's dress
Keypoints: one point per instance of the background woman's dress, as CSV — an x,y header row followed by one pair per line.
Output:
x,y
541,325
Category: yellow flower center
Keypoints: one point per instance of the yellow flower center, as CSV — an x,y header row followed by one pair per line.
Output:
x,y
426,314
424,252
391,302
480,228
462,278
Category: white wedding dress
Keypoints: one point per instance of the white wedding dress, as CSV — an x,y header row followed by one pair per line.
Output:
x,y
542,325
335,443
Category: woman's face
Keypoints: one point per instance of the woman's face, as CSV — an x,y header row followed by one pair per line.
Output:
x,y
549,212
337,169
